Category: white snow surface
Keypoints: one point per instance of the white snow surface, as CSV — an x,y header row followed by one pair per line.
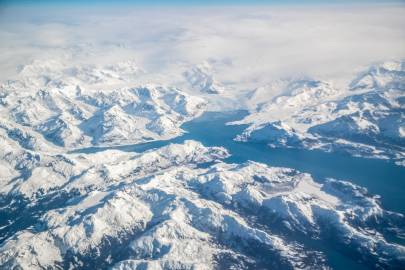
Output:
x,y
200,77
160,210
366,118
136,76
180,206
54,105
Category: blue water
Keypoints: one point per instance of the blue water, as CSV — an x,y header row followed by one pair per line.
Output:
x,y
378,176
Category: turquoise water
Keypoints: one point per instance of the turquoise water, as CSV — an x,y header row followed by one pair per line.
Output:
x,y
378,176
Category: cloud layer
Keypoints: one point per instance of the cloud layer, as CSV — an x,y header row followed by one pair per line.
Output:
x,y
247,46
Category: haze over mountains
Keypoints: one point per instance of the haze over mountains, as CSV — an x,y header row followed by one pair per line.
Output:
x,y
78,89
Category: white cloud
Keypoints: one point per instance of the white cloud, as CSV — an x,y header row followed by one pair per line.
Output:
x,y
251,45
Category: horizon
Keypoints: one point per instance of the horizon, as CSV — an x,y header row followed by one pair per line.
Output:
x,y
198,3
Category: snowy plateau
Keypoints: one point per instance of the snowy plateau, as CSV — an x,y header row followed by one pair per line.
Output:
x,y
182,205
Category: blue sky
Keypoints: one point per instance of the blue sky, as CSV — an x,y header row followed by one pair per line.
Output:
x,y
194,2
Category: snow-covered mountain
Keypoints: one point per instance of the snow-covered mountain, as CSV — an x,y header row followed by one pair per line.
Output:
x,y
117,149
366,119
162,210
84,106
201,79
185,205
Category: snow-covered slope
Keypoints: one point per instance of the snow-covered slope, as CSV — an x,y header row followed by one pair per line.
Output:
x,y
161,210
181,206
96,171
366,119
83,106
201,79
